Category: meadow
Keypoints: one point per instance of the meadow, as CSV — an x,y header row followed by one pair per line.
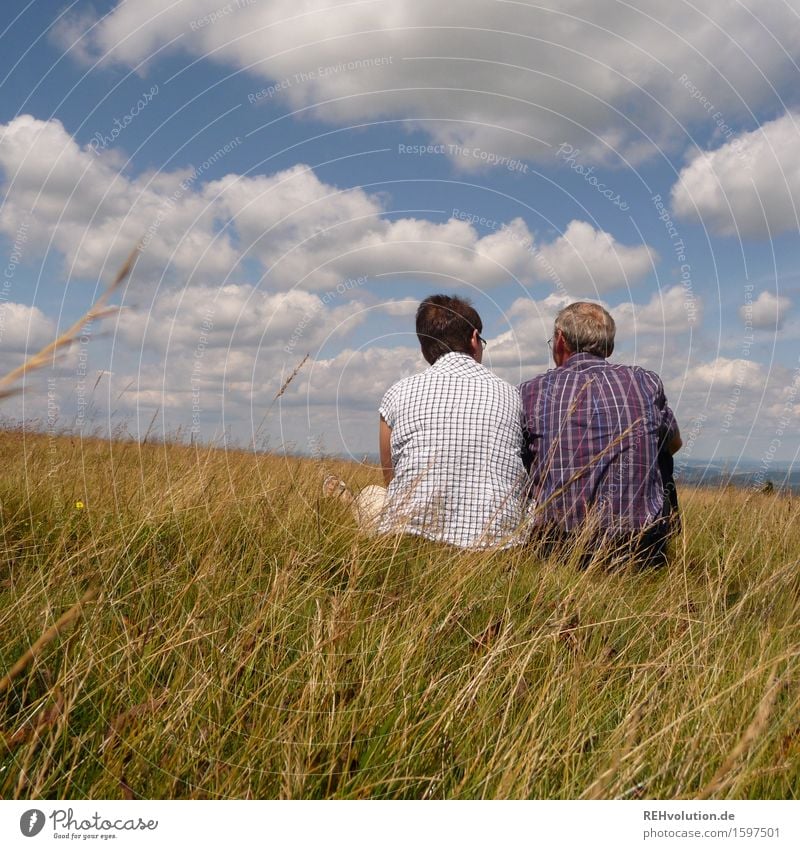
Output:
x,y
190,622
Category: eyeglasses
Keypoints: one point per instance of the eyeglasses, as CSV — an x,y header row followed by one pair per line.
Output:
x,y
482,341
550,344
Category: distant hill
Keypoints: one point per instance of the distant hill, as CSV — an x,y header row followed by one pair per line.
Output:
x,y
716,473
741,474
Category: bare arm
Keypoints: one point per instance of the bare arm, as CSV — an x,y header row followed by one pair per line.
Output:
x,y
385,444
675,443
670,439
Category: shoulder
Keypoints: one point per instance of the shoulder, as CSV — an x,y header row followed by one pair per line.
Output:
x,y
496,384
647,376
403,387
539,381
648,380
458,367
487,374
408,381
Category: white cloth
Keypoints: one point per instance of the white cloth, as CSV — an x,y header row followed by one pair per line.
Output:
x,y
457,455
368,508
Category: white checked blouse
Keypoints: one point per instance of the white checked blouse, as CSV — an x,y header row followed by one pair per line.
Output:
x,y
457,453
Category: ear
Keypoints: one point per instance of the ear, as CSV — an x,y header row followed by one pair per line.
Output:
x,y
475,346
561,350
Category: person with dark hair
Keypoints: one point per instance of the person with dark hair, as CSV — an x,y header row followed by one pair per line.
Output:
x,y
599,443
450,442
445,325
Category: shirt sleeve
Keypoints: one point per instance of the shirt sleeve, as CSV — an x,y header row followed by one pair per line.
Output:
x,y
388,406
668,426
528,453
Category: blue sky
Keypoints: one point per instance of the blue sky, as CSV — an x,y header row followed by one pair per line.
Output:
x,y
303,173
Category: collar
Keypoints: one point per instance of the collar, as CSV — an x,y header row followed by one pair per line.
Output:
x,y
583,359
454,358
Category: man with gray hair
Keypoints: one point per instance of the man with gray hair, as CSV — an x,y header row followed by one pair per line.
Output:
x,y
594,432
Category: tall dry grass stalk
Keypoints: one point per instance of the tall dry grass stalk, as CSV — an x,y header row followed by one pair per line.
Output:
x,y
754,732
9,382
54,631
292,376
251,644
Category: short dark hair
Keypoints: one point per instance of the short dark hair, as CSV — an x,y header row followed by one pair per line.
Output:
x,y
446,324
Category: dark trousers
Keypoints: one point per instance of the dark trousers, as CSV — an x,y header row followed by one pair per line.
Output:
x,y
647,549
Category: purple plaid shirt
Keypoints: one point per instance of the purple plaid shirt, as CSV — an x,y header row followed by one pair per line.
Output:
x,y
593,430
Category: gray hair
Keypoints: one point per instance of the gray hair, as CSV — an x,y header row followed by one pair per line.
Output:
x,y
587,328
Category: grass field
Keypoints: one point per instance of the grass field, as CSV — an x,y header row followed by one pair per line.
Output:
x,y
237,638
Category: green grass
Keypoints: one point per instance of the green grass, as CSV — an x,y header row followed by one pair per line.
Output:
x,y
247,642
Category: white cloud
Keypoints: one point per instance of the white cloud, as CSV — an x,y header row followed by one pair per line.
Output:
x,y
667,313
407,307
767,312
653,333
24,329
509,78
355,379
726,373
336,398
302,231
749,186
521,351
231,374
238,317
94,214
589,261
307,232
